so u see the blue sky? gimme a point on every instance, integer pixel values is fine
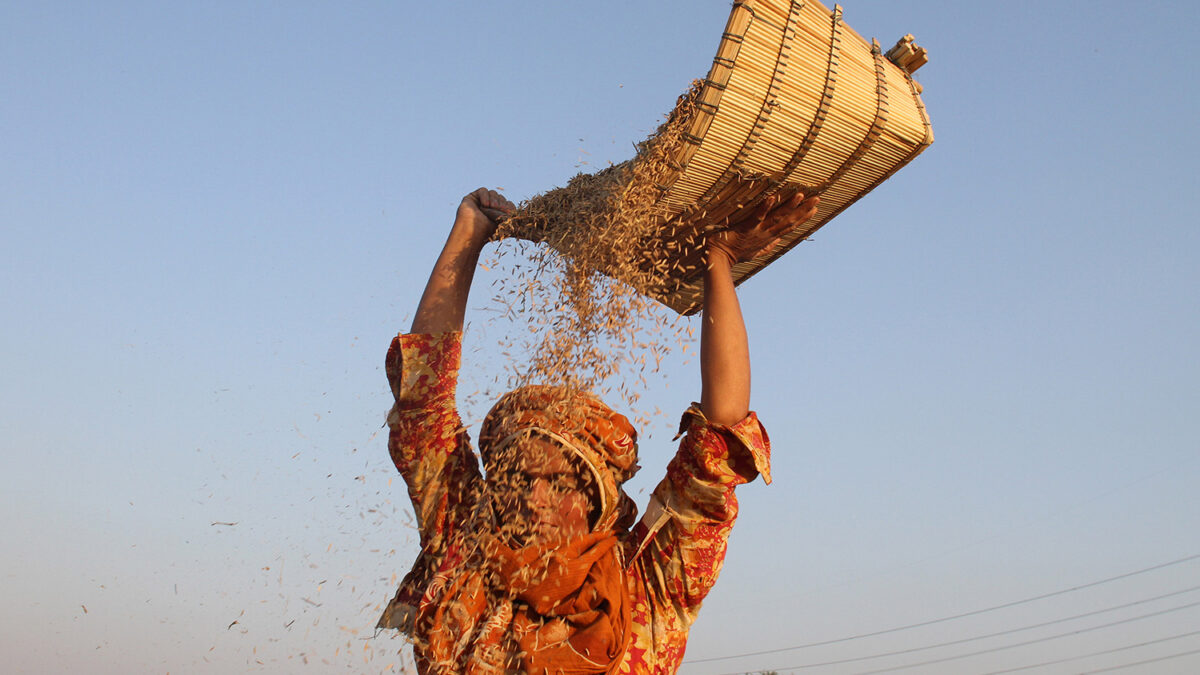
(980, 381)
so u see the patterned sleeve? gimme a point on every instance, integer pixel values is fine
(427, 441)
(679, 545)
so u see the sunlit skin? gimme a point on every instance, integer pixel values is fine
(541, 492)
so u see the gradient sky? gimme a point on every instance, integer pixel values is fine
(982, 381)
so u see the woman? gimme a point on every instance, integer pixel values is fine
(539, 567)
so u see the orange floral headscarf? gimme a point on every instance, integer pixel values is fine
(559, 608)
(603, 439)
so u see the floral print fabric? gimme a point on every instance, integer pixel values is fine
(672, 556)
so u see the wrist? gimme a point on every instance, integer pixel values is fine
(465, 235)
(718, 257)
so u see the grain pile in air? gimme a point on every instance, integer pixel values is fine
(588, 291)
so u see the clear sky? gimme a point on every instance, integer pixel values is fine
(982, 381)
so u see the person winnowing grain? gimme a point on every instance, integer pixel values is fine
(538, 566)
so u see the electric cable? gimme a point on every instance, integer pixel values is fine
(1142, 663)
(1088, 656)
(963, 615)
(1031, 642)
(1009, 631)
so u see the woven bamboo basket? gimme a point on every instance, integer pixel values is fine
(795, 100)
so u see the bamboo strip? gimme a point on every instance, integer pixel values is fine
(881, 142)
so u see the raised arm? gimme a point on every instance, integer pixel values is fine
(724, 348)
(444, 302)
(426, 439)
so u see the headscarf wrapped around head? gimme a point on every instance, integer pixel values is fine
(603, 439)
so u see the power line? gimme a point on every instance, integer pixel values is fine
(1010, 631)
(976, 612)
(1088, 656)
(1031, 642)
(1142, 663)
(995, 649)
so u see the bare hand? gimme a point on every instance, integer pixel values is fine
(479, 213)
(757, 233)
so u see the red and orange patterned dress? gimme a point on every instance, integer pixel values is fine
(672, 556)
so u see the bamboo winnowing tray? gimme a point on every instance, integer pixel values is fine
(795, 99)
(814, 105)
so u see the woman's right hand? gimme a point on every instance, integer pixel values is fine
(479, 213)
(444, 302)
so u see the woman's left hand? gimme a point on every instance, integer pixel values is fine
(757, 233)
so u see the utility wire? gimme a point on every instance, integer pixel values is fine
(976, 612)
(1010, 631)
(1142, 663)
(1088, 656)
(1031, 642)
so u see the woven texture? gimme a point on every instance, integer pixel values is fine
(795, 100)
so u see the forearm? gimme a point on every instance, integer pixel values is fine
(444, 302)
(724, 347)
(724, 351)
